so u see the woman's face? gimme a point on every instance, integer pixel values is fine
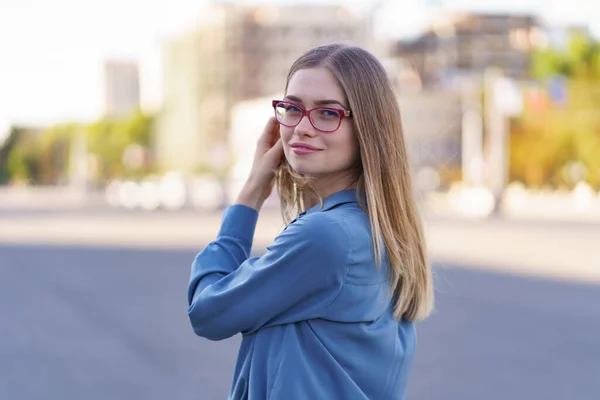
(329, 154)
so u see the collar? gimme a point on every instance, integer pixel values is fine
(334, 200)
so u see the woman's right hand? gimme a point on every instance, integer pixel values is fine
(267, 157)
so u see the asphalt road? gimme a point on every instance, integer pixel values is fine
(111, 324)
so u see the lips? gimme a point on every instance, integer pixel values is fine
(303, 146)
(303, 149)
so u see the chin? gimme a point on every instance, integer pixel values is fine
(299, 169)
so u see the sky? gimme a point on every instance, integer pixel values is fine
(51, 51)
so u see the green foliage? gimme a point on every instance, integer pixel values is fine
(45, 157)
(579, 60)
(53, 153)
(5, 151)
(19, 157)
(109, 139)
(21, 163)
(544, 143)
(550, 137)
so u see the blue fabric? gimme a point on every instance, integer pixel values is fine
(315, 312)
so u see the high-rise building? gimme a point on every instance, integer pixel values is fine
(240, 53)
(121, 87)
(458, 45)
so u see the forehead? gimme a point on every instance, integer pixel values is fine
(313, 84)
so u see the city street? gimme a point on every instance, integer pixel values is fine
(127, 127)
(99, 312)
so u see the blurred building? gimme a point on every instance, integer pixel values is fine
(432, 126)
(239, 53)
(462, 45)
(558, 36)
(247, 122)
(121, 88)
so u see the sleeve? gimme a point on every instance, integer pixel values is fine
(301, 273)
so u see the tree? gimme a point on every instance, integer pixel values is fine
(22, 164)
(546, 140)
(109, 139)
(5, 151)
(44, 157)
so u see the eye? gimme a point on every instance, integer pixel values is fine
(291, 108)
(327, 113)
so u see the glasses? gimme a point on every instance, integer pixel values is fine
(323, 119)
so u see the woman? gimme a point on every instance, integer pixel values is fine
(328, 311)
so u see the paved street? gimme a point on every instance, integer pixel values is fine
(82, 322)
(560, 250)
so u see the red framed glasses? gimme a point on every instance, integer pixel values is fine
(324, 119)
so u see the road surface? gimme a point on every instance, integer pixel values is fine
(110, 323)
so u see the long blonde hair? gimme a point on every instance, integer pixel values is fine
(383, 173)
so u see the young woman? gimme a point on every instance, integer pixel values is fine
(328, 311)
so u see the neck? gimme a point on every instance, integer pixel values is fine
(327, 186)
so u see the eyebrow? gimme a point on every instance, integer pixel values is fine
(317, 102)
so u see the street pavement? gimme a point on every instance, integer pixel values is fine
(539, 248)
(93, 306)
(110, 323)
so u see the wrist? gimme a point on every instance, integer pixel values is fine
(250, 197)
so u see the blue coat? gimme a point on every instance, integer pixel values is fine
(314, 311)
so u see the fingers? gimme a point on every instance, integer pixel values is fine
(270, 132)
(277, 147)
(276, 152)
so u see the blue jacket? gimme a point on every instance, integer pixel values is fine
(314, 311)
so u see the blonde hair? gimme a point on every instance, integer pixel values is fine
(383, 173)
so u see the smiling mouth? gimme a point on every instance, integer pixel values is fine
(299, 145)
(303, 150)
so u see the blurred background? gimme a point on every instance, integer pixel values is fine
(127, 126)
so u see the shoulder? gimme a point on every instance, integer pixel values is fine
(318, 227)
(323, 234)
(350, 218)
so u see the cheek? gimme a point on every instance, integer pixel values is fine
(353, 153)
(285, 134)
(348, 145)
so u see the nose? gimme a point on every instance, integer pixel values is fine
(304, 127)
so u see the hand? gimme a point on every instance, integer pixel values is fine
(268, 155)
